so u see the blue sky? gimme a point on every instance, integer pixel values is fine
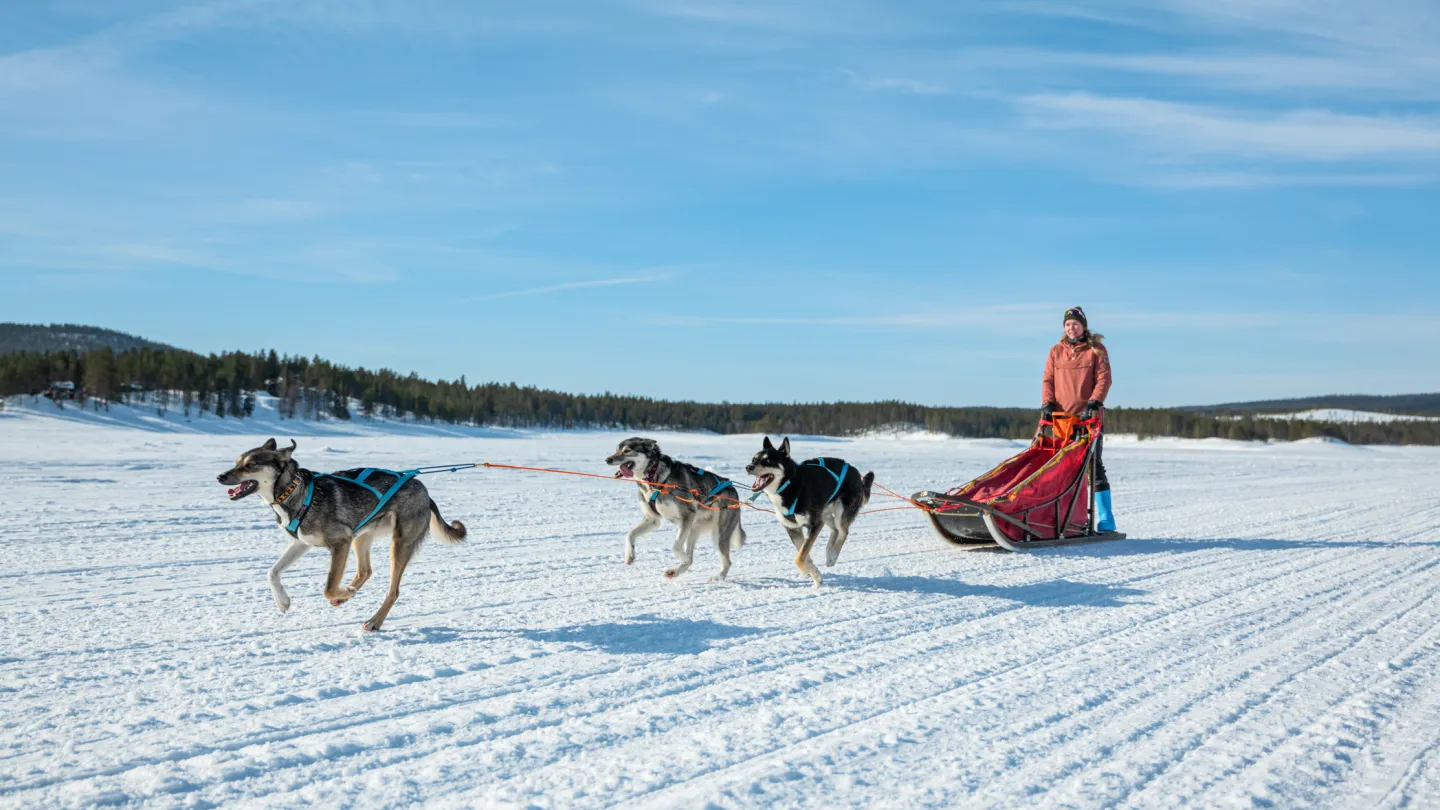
(789, 200)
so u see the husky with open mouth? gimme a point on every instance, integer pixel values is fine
(810, 496)
(337, 511)
(697, 501)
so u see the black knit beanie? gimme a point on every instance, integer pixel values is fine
(1076, 314)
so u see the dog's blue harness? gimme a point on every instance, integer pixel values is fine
(839, 482)
(719, 488)
(384, 497)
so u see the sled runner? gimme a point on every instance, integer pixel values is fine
(1036, 499)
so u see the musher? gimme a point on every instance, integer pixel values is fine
(1077, 379)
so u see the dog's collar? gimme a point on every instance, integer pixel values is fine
(651, 470)
(294, 484)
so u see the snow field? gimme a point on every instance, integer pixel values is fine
(1270, 639)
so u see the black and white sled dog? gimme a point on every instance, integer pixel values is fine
(697, 501)
(323, 510)
(810, 496)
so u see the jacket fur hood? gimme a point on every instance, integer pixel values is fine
(1095, 339)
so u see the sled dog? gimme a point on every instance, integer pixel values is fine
(323, 510)
(810, 496)
(668, 489)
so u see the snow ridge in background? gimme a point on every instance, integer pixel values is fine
(265, 419)
(1346, 416)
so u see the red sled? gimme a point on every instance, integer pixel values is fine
(1037, 499)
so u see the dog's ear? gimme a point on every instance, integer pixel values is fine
(785, 446)
(269, 445)
(768, 445)
(285, 452)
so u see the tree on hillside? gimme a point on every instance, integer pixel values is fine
(100, 379)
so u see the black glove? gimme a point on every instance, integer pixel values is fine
(1047, 411)
(1092, 408)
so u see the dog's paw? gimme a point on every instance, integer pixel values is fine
(282, 602)
(629, 556)
(671, 573)
(716, 578)
(371, 626)
(343, 597)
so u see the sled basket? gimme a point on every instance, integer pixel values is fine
(1040, 497)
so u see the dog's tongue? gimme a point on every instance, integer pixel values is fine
(231, 492)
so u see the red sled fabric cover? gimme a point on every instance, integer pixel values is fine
(1033, 485)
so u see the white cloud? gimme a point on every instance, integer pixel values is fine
(1032, 319)
(1258, 179)
(1409, 26)
(575, 285)
(163, 253)
(341, 261)
(1185, 130)
(1343, 75)
(1000, 316)
(102, 50)
(805, 19)
(896, 84)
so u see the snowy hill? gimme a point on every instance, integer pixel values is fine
(1346, 416)
(1420, 404)
(22, 337)
(1269, 637)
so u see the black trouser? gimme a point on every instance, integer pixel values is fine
(1102, 483)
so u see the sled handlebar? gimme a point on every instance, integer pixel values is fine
(1094, 425)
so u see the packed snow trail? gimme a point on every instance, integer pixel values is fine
(1270, 638)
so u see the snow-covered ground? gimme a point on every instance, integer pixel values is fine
(1270, 637)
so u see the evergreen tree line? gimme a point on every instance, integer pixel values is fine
(226, 385)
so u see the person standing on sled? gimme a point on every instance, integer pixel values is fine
(1077, 379)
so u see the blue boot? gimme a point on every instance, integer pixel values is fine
(1104, 513)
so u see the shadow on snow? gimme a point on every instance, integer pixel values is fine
(1051, 593)
(644, 634)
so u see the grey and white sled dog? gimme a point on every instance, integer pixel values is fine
(328, 518)
(809, 496)
(697, 501)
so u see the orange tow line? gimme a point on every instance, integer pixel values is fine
(699, 500)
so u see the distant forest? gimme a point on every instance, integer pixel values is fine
(313, 389)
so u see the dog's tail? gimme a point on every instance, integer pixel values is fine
(868, 481)
(737, 538)
(452, 532)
